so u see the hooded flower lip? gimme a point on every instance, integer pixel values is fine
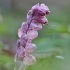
(41, 19)
(40, 9)
(44, 9)
(39, 12)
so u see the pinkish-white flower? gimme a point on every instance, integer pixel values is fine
(29, 60)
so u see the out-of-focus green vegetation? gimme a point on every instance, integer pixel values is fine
(53, 40)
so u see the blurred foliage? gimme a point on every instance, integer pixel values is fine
(6, 61)
(53, 40)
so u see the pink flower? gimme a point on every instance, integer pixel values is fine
(23, 29)
(32, 34)
(30, 47)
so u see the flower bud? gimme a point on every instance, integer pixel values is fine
(21, 52)
(29, 60)
(23, 40)
(30, 47)
(32, 34)
(23, 29)
(36, 26)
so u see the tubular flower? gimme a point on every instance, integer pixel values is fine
(28, 31)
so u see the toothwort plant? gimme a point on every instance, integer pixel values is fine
(27, 32)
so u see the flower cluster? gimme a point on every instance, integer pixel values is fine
(28, 31)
